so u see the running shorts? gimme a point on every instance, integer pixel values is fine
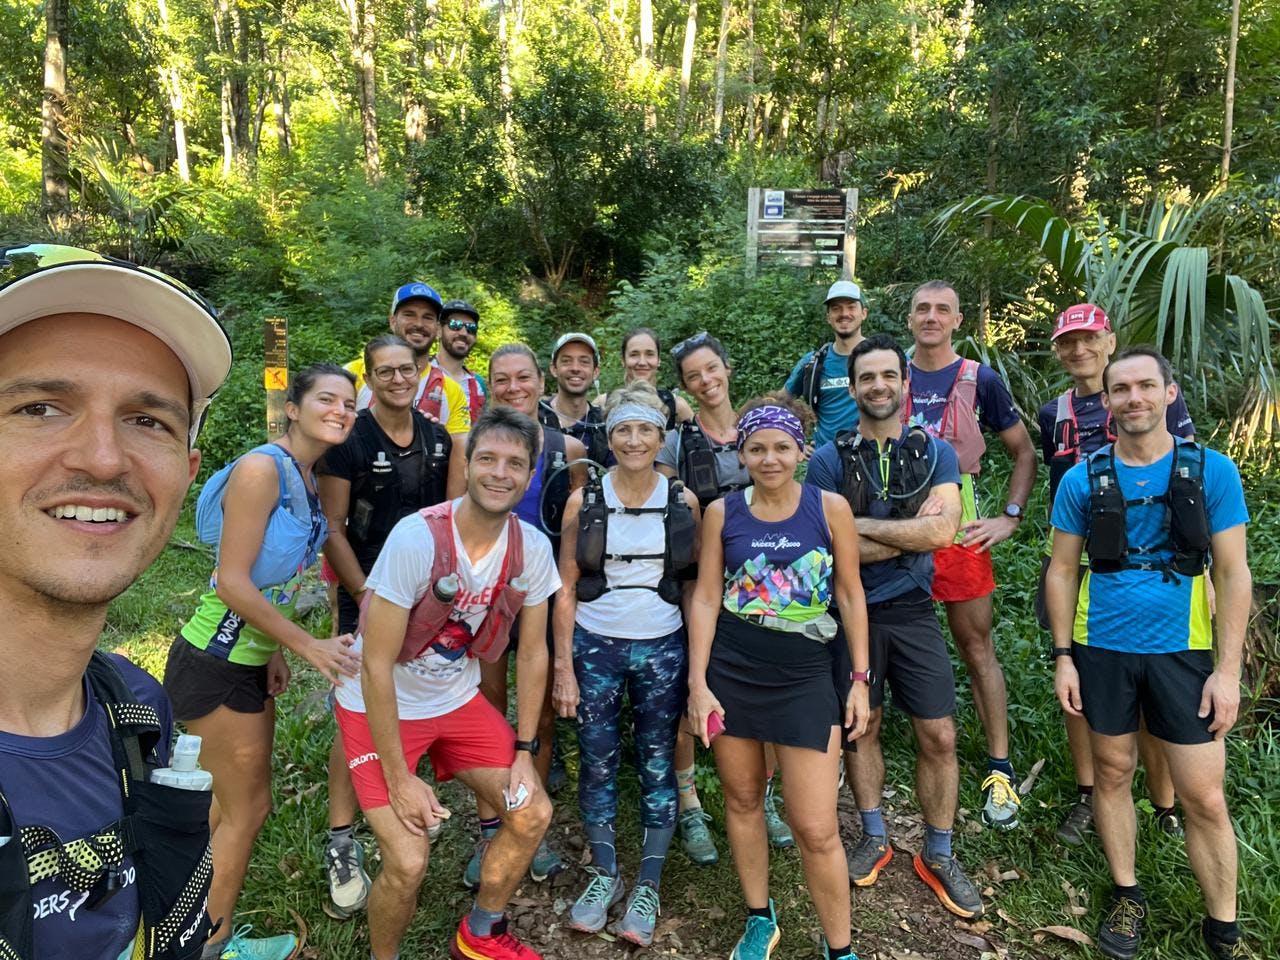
(1117, 689)
(962, 573)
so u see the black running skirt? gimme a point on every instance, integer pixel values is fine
(775, 687)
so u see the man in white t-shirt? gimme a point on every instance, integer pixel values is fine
(430, 704)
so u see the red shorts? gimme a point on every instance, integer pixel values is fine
(475, 735)
(327, 573)
(962, 573)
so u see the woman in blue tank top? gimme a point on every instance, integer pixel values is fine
(772, 560)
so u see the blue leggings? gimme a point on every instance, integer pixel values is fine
(653, 672)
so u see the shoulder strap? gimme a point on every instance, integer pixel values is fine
(439, 520)
(128, 722)
(811, 379)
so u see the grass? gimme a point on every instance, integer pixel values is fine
(285, 886)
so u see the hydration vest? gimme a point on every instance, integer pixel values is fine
(590, 430)
(431, 400)
(1066, 429)
(811, 376)
(288, 542)
(959, 424)
(377, 500)
(696, 464)
(912, 465)
(555, 483)
(164, 829)
(678, 564)
(668, 399)
(429, 621)
(1186, 519)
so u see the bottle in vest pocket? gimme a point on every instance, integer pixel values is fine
(446, 588)
(184, 773)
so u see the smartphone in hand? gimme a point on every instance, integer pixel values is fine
(715, 727)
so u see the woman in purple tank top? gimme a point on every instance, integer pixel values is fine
(772, 560)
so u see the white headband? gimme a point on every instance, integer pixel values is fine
(634, 411)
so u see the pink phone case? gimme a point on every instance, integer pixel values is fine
(715, 726)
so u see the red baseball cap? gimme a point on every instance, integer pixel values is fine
(1083, 316)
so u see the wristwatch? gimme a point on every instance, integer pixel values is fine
(863, 675)
(530, 746)
(1060, 652)
(1013, 512)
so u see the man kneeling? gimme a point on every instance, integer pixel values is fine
(444, 591)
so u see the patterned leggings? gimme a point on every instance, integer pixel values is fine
(653, 672)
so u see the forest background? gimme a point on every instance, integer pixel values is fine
(585, 165)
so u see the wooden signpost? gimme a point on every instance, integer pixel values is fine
(804, 228)
(275, 372)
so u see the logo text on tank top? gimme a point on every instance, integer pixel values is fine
(779, 542)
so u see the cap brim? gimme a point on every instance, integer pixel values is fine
(131, 295)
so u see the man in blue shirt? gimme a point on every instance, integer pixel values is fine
(904, 488)
(1073, 425)
(1138, 644)
(105, 370)
(821, 378)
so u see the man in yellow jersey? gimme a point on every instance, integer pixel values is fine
(415, 317)
(1154, 511)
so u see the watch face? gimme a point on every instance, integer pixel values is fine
(1013, 510)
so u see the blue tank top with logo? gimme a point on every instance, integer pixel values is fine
(777, 568)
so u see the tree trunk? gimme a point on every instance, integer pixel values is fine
(55, 191)
(686, 63)
(988, 224)
(284, 135)
(1230, 105)
(171, 82)
(646, 62)
(240, 105)
(360, 28)
(415, 109)
(504, 75)
(722, 57)
(751, 73)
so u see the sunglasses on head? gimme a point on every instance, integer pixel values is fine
(468, 325)
(690, 343)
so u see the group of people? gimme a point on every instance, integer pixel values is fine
(621, 546)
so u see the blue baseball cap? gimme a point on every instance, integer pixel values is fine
(415, 291)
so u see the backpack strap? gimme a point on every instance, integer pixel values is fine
(811, 376)
(431, 402)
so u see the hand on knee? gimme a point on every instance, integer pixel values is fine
(530, 822)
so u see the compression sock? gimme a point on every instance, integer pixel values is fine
(1225, 931)
(687, 791)
(839, 953)
(1133, 893)
(340, 834)
(1000, 765)
(937, 843)
(490, 827)
(481, 921)
(872, 822)
(601, 837)
(653, 853)
(213, 949)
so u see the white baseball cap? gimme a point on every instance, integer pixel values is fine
(844, 290)
(43, 280)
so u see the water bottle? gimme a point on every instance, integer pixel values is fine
(185, 772)
(446, 588)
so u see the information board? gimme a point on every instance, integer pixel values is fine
(275, 372)
(804, 228)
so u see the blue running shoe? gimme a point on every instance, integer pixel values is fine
(641, 918)
(590, 912)
(759, 939)
(242, 947)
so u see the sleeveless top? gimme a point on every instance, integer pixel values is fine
(632, 614)
(777, 570)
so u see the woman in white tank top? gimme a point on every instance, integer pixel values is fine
(618, 628)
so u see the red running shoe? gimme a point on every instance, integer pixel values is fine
(499, 945)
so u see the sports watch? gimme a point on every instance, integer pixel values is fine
(863, 675)
(530, 746)
(1013, 512)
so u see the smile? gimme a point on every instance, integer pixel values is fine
(71, 511)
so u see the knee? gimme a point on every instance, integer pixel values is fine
(531, 821)
(405, 868)
(743, 802)
(1112, 772)
(938, 742)
(816, 836)
(1207, 805)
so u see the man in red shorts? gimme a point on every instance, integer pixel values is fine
(398, 711)
(956, 399)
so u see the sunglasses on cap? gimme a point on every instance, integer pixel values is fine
(468, 325)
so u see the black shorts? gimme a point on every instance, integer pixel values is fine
(1163, 688)
(348, 612)
(198, 683)
(908, 649)
(1042, 605)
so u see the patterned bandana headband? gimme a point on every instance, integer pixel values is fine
(634, 411)
(770, 417)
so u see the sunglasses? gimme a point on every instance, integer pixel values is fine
(468, 325)
(19, 262)
(690, 343)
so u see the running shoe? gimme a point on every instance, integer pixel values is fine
(471, 873)
(759, 939)
(243, 947)
(1170, 824)
(1121, 929)
(348, 882)
(546, 863)
(1077, 823)
(1223, 949)
(641, 917)
(499, 945)
(952, 886)
(695, 837)
(590, 912)
(847, 955)
(779, 832)
(867, 859)
(1000, 801)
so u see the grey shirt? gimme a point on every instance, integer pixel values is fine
(729, 469)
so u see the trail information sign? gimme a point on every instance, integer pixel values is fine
(275, 372)
(805, 228)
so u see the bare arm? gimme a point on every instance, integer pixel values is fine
(852, 603)
(564, 691)
(1233, 583)
(923, 533)
(1062, 594)
(335, 498)
(873, 551)
(703, 609)
(985, 532)
(455, 484)
(684, 412)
